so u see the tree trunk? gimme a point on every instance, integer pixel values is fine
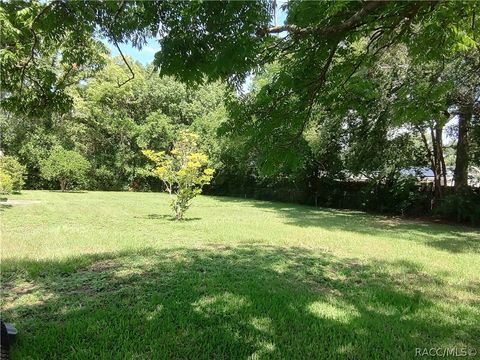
(461, 163)
(438, 160)
(430, 158)
(441, 158)
(63, 185)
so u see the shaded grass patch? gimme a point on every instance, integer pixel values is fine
(235, 302)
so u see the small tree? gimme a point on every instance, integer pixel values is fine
(12, 169)
(66, 166)
(183, 171)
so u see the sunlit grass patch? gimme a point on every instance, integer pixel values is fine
(333, 310)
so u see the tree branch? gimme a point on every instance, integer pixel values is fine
(313, 93)
(354, 21)
(119, 10)
(34, 45)
(126, 63)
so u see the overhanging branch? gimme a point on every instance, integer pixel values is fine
(354, 21)
(34, 45)
(120, 8)
(126, 63)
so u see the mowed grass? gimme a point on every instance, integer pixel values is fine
(108, 275)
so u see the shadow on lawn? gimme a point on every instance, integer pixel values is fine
(69, 191)
(223, 302)
(4, 207)
(456, 239)
(166, 217)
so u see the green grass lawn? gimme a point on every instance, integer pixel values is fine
(108, 275)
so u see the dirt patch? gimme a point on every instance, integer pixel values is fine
(103, 265)
(20, 202)
(25, 288)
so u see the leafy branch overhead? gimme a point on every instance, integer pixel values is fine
(201, 40)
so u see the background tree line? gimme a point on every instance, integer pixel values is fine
(110, 125)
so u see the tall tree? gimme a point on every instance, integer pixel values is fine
(464, 98)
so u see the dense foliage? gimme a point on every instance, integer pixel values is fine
(12, 173)
(6, 184)
(65, 166)
(110, 125)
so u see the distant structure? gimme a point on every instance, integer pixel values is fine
(425, 175)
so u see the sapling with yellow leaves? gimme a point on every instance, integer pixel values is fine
(183, 171)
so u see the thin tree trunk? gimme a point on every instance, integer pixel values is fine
(441, 158)
(461, 163)
(437, 169)
(63, 185)
(431, 159)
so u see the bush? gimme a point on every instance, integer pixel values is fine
(66, 166)
(462, 207)
(14, 170)
(6, 183)
(402, 196)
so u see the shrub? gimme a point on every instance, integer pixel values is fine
(462, 207)
(15, 171)
(182, 171)
(65, 166)
(6, 183)
(405, 197)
